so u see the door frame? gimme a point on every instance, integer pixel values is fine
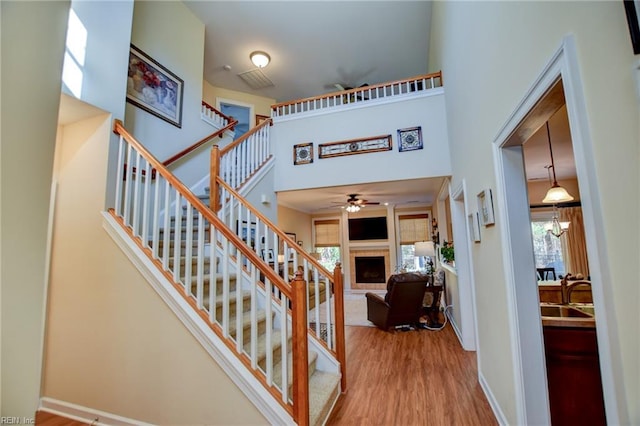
(526, 335)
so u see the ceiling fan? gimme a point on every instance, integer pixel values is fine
(346, 87)
(354, 203)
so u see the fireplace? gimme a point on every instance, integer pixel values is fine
(370, 269)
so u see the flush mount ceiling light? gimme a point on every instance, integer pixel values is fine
(260, 59)
(555, 194)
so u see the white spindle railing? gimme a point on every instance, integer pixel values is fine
(244, 156)
(285, 257)
(360, 95)
(196, 250)
(213, 116)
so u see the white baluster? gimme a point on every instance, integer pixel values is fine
(177, 237)
(188, 248)
(200, 263)
(145, 206)
(119, 176)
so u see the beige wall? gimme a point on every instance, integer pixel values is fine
(298, 222)
(486, 75)
(32, 41)
(262, 105)
(112, 343)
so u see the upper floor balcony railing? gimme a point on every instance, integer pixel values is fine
(358, 96)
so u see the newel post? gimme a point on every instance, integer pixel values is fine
(214, 193)
(300, 350)
(341, 354)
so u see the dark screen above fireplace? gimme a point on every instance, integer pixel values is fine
(368, 228)
(370, 269)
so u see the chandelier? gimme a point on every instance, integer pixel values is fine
(555, 227)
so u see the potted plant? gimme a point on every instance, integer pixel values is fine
(447, 252)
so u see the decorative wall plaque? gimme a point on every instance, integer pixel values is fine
(410, 139)
(355, 146)
(303, 153)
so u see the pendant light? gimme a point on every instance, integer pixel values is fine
(555, 194)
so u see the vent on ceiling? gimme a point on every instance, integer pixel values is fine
(256, 79)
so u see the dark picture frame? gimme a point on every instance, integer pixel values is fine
(632, 7)
(355, 146)
(154, 88)
(410, 139)
(303, 153)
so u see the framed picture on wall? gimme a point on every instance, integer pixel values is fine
(485, 207)
(153, 88)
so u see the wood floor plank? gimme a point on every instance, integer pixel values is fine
(417, 377)
(44, 418)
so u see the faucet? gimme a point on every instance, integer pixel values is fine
(572, 287)
(564, 293)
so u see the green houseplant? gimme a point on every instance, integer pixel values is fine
(447, 252)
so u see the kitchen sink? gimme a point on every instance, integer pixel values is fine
(562, 311)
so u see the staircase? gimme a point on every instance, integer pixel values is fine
(259, 316)
(324, 387)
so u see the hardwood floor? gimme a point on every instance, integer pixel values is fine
(410, 378)
(398, 378)
(44, 418)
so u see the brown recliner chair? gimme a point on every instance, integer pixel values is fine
(402, 305)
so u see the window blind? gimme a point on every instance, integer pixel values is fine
(327, 233)
(413, 228)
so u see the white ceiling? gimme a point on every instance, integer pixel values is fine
(316, 44)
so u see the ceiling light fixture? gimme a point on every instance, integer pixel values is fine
(352, 208)
(260, 59)
(555, 194)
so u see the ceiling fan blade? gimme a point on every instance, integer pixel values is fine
(339, 86)
(371, 203)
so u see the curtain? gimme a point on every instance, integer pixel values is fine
(574, 247)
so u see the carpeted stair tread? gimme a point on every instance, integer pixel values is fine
(276, 346)
(246, 301)
(246, 321)
(324, 388)
(277, 369)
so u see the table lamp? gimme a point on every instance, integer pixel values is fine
(427, 249)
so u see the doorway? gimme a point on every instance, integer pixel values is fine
(532, 112)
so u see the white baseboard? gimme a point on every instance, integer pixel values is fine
(85, 414)
(493, 403)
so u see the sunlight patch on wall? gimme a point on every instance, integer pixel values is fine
(74, 56)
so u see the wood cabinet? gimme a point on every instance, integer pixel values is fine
(573, 375)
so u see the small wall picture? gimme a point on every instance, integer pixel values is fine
(485, 207)
(268, 256)
(474, 226)
(410, 139)
(303, 153)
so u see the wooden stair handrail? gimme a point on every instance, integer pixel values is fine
(359, 89)
(198, 144)
(207, 213)
(244, 137)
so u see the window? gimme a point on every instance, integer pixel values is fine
(547, 248)
(327, 242)
(411, 229)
